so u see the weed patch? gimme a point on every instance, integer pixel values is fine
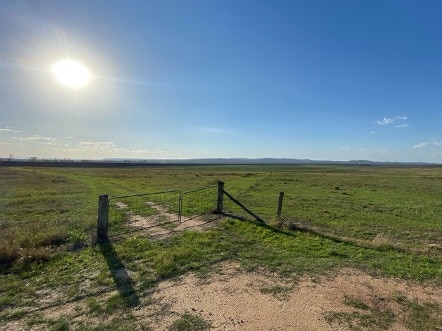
(423, 316)
(371, 320)
(188, 322)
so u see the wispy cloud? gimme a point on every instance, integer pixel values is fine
(351, 149)
(403, 126)
(45, 146)
(211, 130)
(364, 153)
(8, 129)
(101, 149)
(385, 121)
(388, 120)
(433, 142)
(421, 145)
(96, 144)
(37, 139)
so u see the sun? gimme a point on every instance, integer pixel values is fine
(71, 73)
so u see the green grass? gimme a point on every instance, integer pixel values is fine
(391, 208)
(40, 206)
(251, 245)
(376, 320)
(49, 215)
(423, 316)
(413, 315)
(188, 322)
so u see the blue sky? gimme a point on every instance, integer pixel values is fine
(323, 80)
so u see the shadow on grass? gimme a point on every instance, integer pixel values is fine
(119, 274)
(291, 228)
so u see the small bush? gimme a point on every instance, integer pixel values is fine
(60, 325)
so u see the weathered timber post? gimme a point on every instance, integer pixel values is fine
(180, 207)
(278, 214)
(103, 218)
(219, 202)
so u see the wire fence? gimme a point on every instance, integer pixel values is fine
(143, 210)
(199, 201)
(165, 209)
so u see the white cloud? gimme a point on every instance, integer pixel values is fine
(351, 149)
(433, 142)
(359, 153)
(421, 145)
(403, 126)
(385, 121)
(8, 129)
(108, 149)
(96, 144)
(212, 130)
(39, 140)
(98, 147)
(391, 120)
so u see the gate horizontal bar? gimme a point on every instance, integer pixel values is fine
(143, 194)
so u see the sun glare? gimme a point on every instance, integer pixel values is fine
(71, 73)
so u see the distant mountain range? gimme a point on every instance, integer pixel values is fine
(115, 162)
(268, 161)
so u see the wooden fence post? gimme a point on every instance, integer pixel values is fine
(103, 218)
(219, 202)
(281, 197)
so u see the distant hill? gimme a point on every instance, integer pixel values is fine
(118, 162)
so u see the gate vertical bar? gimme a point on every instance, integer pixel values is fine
(180, 207)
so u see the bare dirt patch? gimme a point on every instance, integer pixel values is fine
(234, 300)
(231, 299)
(165, 223)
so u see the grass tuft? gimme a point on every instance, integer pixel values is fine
(425, 316)
(61, 324)
(188, 322)
(278, 291)
(8, 255)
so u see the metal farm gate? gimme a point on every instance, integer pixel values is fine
(162, 210)
(160, 213)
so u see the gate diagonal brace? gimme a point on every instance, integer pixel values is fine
(259, 219)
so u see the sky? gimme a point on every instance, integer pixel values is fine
(177, 79)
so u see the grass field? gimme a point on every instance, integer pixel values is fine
(385, 220)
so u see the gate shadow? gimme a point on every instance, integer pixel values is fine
(119, 274)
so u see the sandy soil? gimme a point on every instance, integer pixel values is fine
(231, 299)
(234, 300)
(150, 224)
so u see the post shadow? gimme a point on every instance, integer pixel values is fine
(119, 274)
